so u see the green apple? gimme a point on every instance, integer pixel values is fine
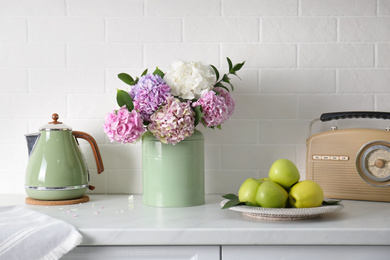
(248, 189)
(306, 194)
(284, 172)
(271, 195)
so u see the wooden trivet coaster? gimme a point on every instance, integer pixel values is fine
(32, 201)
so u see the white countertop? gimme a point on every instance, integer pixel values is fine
(114, 220)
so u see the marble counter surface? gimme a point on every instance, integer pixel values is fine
(124, 220)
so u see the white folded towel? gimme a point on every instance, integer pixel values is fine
(27, 234)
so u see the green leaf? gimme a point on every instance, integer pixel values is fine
(230, 63)
(215, 71)
(234, 73)
(198, 114)
(237, 67)
(328, 202)
(227, 80)
(230, 196)
(232, 203)
(219, 127)
(219, 84)
(126, 78)
(124, 99)
(203, 122)
(159, 72)
(231, 85)
(144, 73)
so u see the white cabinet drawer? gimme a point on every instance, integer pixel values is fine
(144, 253)
(305, 252)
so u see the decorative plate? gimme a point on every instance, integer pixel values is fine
(283, 213)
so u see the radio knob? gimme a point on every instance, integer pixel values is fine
(373, 163)
(380, 163)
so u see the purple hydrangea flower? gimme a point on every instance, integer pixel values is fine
(149, 94)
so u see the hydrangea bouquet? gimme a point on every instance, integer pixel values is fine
(170, 105)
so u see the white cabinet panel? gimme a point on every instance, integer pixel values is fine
(144, 253)
(305, 252)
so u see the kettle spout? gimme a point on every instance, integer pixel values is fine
(31, 141)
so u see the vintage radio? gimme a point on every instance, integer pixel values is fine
(350, 163)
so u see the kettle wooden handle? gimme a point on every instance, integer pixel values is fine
(95, 149)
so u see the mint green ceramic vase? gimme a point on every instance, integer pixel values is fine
(173, 175)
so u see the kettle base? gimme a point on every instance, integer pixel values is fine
(56, 194)
(83, 199)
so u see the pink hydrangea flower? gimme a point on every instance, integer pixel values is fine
(229, 100)
(124, 126)
(216, 108)
(172, 122)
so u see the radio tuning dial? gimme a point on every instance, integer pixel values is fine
(372, 163)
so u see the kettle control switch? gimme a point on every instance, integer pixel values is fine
(344, 158)
(334, 158)
(316, 157)
(325, 157)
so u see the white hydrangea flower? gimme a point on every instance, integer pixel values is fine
(189, 80)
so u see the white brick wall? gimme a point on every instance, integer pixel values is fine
(303, 58)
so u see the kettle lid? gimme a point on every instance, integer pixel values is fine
(55, 125)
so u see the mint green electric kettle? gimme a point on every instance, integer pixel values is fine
(56, 169)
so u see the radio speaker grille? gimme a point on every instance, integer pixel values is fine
(345, 183)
